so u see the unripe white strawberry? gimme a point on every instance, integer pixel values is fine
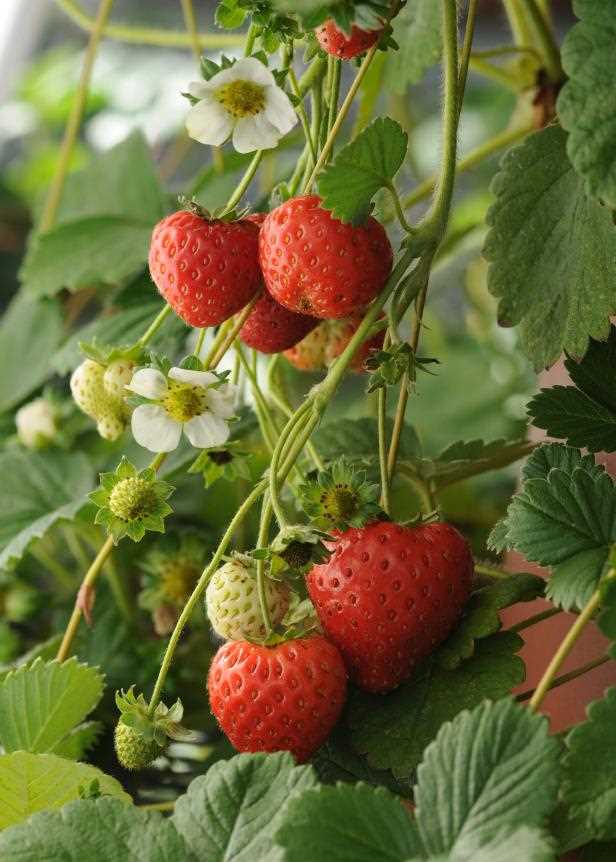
(36, 423)
(118, 374)
(110, 412)
(233, 603)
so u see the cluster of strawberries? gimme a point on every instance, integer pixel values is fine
(318, 275)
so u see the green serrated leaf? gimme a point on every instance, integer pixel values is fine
(338, 761)
(53, 696)
(587, 102)
(358, 439)
(103, 830)
(79, 740)
(565, 519)
(232, 812)
(551, 249)
(394, 729)
(589, 786)
(467, 458)
(361, 168)
(34, 782)
(38, 490)
(506, 775)
(229, 14)
(482, 615)
(417, 30)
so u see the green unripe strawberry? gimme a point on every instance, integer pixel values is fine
(233, 603)
(134, 751)
(117, 376)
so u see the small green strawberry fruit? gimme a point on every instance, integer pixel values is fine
(133, 750)
(109, 411)
(233, 603)
(117, 376)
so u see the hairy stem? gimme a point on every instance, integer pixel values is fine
(153, 328)
(544, 39)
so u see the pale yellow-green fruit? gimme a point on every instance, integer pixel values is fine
(110, 412)
(117, 376)
(233, 603)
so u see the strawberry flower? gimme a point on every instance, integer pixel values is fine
(243, 101)
(196, 402)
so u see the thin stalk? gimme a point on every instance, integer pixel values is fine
(398, 208)
(191, 28)
(199, 341)
(564, 649)
(344, 110)
(536, 618)
(230, 334)
(544, 39)
(147, 35)
(153, 328)
(567, 677)
(303, 116)
(465, 54)
(518, 22)
(381, 416)
(334, 92)
(250, 40)
(426, 498)
(491, 571)
(75, 117)
(269, 431)
(262, 540)
(244, 182)
(495, 73)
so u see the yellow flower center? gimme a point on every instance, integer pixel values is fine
(184, 401)
(241, 98)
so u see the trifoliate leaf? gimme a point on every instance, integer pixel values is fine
(103, 830)
(53, 696)
(587, 102)
(394, 729)
(343, 823)
(506, 775)
(361, 168)
(565, 520)
(589, 786)
(232, 812)
(482, 615)
(417, 30)
(468, 458)
(585, 414)
(33, 782)
(551, 249)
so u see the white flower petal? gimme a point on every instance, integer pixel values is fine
(279, 110)
(221, 401)
(149, 383)
(206, 430)
(197, 378)
(254, 133)
(209, 123)
(199, 89)
(249, 69)
(154, 429)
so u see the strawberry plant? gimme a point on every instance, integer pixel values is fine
(277, 625)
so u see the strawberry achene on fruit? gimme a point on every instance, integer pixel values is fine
(337, 43)
(207, 270)
(286, 697)
(389, 595)
(314, 264)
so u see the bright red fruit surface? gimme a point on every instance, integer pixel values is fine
(389, 595)
(282, 698)
(338, 44)
(271, 328)
(206, 270)
(314, 264)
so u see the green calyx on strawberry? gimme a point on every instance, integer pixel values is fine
(389, 595)
(140, 738)
(171, 568)
(286, 697)
(230, 462)
(232, 602)
(340, 498)
(131, 501)
(299, 545)
(100, 401)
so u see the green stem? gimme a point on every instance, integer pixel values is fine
(228, 336)
(250, 39)
(269, 431)
(344, 110)
(244, 182)
(567, 677)
(467, 46)
(506, 50)
(262, 541)
(334, 92)
(398, 208)
(518, 22)
(191, 28)
(303, 117)
(75, 117)
(147, 35)
(491, 571)
(495, 73)
(565, 648)
(381, 416)
(426, 499)
(153, 328)
(199, 342)
(536, 618)
(544, 39)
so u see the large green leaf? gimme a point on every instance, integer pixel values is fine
(552, 251)
(367, 164)
(417, 30)
(100, 830)
(394, 729)
(468, 458)
(589, 787)
(42, 702)
(232, 812)
(38, 490)
(34, 782)
(489, 770)
(30, 328)
(93, 250)
(587, 102)
(564, 519)
(584, 415)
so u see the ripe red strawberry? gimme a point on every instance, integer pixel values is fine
(207, 270)
(282, 698)
(271, 328)
(338, 44)
(389, 595)
(314, 264)
(324, 344)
